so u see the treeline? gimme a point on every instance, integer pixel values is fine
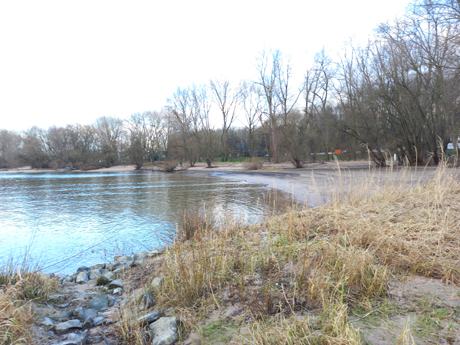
(398, 94)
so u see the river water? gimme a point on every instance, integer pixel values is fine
(66, 220)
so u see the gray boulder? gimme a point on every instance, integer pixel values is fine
(68, 280)
(84, 314)
(146, 301)
(75, 339)
(164, 331)
(155, 252)
(94, 274)
(118, 283)
(149, 318)
(156, 283)
(60, 315)
(47, 322)
(98, 266)
(98, 320)
(82, 269)
(122, 258)
(65, 326)
(98, 301)
(118, 291)
(82, 277)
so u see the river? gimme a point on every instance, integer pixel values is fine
(66, 220)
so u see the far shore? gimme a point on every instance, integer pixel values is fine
(312, 184)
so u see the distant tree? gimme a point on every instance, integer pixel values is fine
(227, 98)
(10, 149)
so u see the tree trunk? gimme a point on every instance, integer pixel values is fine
(208, 162)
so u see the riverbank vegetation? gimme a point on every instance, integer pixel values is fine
(336, 274)
(396, 94)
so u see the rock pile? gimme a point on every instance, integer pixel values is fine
(72, 315)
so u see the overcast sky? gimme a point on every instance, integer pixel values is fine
(67, 62)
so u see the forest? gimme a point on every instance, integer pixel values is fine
(398, 94)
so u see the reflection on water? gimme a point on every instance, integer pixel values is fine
(58, 216)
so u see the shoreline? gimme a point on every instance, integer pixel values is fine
(312, 185)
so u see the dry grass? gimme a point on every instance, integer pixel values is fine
(19, 287)
(254, 163)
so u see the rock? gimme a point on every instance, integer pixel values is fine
(155, 252)
(118, 283)
(98, 301)
(140, 255)
(64, 305)
(123, 266)
(122, 258)
(82, 269)
(112, 301)
(61, 315)
(65, 326)
(109, 275)
(94, 274)
(57, 298)
(46, 321)
(146, 301)
(98, 320)
(98, 267)
(82, 277)
(156, 283)
(138, 262)
(75, 339)
(139, 258)
(164, 331)
(83, 314)
(169, 312)
(118, 291)
(68, 280)
(149, 318)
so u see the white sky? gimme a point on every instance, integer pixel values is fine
(67, 62)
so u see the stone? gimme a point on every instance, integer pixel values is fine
(83, 314)
(118, 283)
(122, 258)
(123, 266)
(109, 275)
(98, 266)
(149, 317)
(60, 315)
(156, 283)
(98, 301)
(64, 305)
(68, 280)
(65, 326)
(82, 277)
(75, 339)
(82, 269)
(112, 301)
(138, 262)
(47, 322)
(57, 298)
(146, 301)
(98, 320)
(118, 291)
(155, 252)
(94, 274)
(164, 331)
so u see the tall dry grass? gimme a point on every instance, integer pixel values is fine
(19, 287)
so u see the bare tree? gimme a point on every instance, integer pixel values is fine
(227, 98)
(251, 95)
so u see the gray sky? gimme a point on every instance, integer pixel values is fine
(67, 62)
